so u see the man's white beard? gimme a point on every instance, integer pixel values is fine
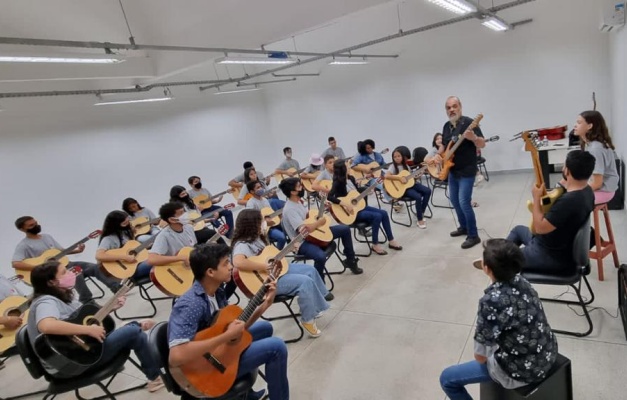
(453, 119)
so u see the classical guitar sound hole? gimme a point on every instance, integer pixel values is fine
(14, 312)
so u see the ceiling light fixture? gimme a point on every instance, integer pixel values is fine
(496, 24)
(349, 61)
(273, 58)
(460, 7)
(238, 90)
(107, 103)
(60, 60)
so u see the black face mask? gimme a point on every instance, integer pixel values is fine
(35, 230)
(301, 193)
(198, 185)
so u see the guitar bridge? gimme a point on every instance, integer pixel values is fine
(121, 265)
(175, 276)
(214, 361)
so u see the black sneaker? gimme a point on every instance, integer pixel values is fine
(459, 232)
(470, 242)
(352, 265)
(329, 296)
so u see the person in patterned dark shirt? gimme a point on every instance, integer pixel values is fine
(514, 344)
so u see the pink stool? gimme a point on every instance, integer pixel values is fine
(601, 247)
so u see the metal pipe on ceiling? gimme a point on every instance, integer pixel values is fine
(217, 83)
(134, 47)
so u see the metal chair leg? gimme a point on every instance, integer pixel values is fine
(583, 304)
(294, 316)
(93, 282)
(143, 292)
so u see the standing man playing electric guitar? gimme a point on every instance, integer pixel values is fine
(462, 175)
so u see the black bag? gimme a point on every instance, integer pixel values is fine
(618, 201)
(622, 295)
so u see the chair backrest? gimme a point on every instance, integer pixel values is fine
(581, 245)
(419, 155)
(158, 345)
(27, 354)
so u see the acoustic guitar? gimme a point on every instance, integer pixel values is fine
(199, 222)
(71, 355)
(53, 255)
(269, 193)
(12, 306)
(308, 182)
(441, 170)
(143, 225)
(176, 278)
(293, 171)
(396, 188)
(322, 236)
(355, 199)
(274, 216)
(125, 269)
(375, 168)
(251, 281)
(532, 142)
(213, 374)
(326, 183)
(203, 201)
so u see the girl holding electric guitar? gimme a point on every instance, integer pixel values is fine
(300, 280)
(53, 302)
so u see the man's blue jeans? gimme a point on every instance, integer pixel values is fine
(460, 190)
(454, 378)
(537, 259)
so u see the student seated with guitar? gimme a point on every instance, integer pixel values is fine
(550, 247)
(178, 234)
(436, 148)
(419, 192)
(366, 156)
(258, 202)
(36, 243)
(333, 149)
(53, 302)
(7, 289)
(239, 182)
(197, 190)
(344, 183)
(135, 211)
(180, 195)
(251, 175)
(287, 164)
(200, 306)
(325, 175)
(301, 280)
(294, 215)
(116, 232)
(314, 167)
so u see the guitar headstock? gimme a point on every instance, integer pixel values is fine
(532, 141)
(223, 229)
(229, 206)
(384, 151)
(475, 122)
(95, 234)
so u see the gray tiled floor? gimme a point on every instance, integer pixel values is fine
(392, 330)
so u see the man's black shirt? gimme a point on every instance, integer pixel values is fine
(466, 155)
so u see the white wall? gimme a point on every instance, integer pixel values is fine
(618, 58)
(69, 165)
(539, 75)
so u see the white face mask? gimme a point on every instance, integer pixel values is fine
(264, 226)
(184, 218)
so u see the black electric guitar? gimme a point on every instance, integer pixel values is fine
(71, 355)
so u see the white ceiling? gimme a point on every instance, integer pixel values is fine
(315, 25)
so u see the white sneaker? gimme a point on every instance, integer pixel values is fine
(421, 225)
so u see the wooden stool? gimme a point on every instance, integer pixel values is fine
(601, 247)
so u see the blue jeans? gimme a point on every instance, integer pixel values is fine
(129, 337)
(91, 270)
(227, 214)
(303, 280)
(271, 352)
(421, 195)
(276, 235)
(376, 217)
(536, 259)
(460, 189)
(317, 254)
(454, 378)
(276, 204)
(143, 270)
(142, 238)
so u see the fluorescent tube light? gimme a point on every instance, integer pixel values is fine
(237, 90)
(495, 24)
(107, 103)
(349, 62)
(460, 7)
(64, 60)
(254, 60)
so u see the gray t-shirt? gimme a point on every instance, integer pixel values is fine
(325, 176)
(169, 242)
(240, 178)
(244, 190)
(112, 242)
(29, 248)
(257, 204)
(7, 288)
(195, 193)
(337, 153)
(48, 306)
(144, 212)
(605, 165)
(249, 249)
(392, 170)
(287, 164)
(293, 216)
(313, 168)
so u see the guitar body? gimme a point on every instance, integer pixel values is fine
(200, 224)
(141, 226)
(547, 202)
(322, 236)
(395, 188)
(35, 261)
(326, 183)
(361, 175)
(173, 279)
(203, 201)
(308, 182)
(249, 282)
(447, 164)
(235, 191)
(124, 269)
(340, 215)
(10, 307)
(266, 211)
(212, 375)
(63, 354)
(280, 177)
(434, 170)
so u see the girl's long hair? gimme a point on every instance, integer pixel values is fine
(248, 226)
(42, 279)
(599, 131)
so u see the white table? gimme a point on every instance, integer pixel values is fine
(554, 153)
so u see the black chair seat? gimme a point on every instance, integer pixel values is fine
(480, 160)
(542, 279)
(145, 280)
(91, 376)
(360, 225)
